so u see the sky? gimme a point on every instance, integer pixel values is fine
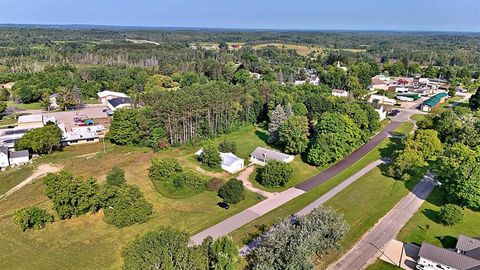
(409, 15)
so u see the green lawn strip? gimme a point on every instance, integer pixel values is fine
(381, 265)
(450, 101)
(363, 203)
(418, 117)
(404, 128)
(424, 226)
(26, 106)
(13, 177)
(6, 121)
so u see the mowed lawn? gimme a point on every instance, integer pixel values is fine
(424, 225)
(253, 229)
(87, 242)
(381, 265)
(363, 203)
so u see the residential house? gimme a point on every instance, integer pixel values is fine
(382, 113)
(261, 156)
(465, 256)
(4, 157)
(53, 102)
(104, 96)
(339, 93)
(81, 135)
(18, 157)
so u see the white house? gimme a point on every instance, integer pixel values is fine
(382, 113)
(80, 135)
(261, 156)
(231, 163)
(4, 157)
(18, 157)
(104, 96)
(466, 255)
(53, 101)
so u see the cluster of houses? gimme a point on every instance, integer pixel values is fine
(260, 156)
(312, 77)
(465, 256)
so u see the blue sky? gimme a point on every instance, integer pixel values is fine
(437, 15)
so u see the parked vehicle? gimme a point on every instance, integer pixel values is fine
(223, 205)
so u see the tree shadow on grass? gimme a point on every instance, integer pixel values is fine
(431, 214)
(262, 135)
(260, 229)
(447, 241)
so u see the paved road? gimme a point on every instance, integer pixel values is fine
(325, 197)
(369, 246)
(278, 199)
(353, 157)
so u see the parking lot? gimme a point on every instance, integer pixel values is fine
(91, 111)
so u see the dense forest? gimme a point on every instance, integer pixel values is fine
(193, 84)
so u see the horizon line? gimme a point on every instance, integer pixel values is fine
(196, 28)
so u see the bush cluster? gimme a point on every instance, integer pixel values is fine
(274, 174)
(450, 214)
(171, 180)
(227, 147)
(232, 192)
(31, 217)
(210, 157)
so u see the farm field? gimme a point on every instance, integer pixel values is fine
(87, 240)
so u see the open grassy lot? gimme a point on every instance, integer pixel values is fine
(404, 128)
(6, 121)
(87, 241)
(13, 177)
(417, 117)
(381, 265)
(29, 106)
(301, 49)
(424, 225)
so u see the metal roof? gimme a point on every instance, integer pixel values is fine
(19, 154)
(267, 154)
(4, 150)
(115, 102)
(447, 257)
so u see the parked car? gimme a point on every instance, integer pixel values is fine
(109, 112)
(223, 205)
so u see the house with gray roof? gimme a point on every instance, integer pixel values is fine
(465, 256)
(18, 157)
(262, 156)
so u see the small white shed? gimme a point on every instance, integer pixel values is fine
(19, 157)
(232, 163)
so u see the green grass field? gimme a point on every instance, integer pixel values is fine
(417, 117)
(29, 106)
(381, 265)
(254, 228)
(424, 225)
(87, 241)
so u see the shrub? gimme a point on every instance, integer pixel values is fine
(166, 248)
(31, 217)
(72, 196)
(41, 140)
(223, 254)
(210, 157)
(162, 168)
(116, 177)
(125, 205)
(181, 185)
(227, 147)
(214, 184)
(450, 214)
(274, 174)
(232, 192)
